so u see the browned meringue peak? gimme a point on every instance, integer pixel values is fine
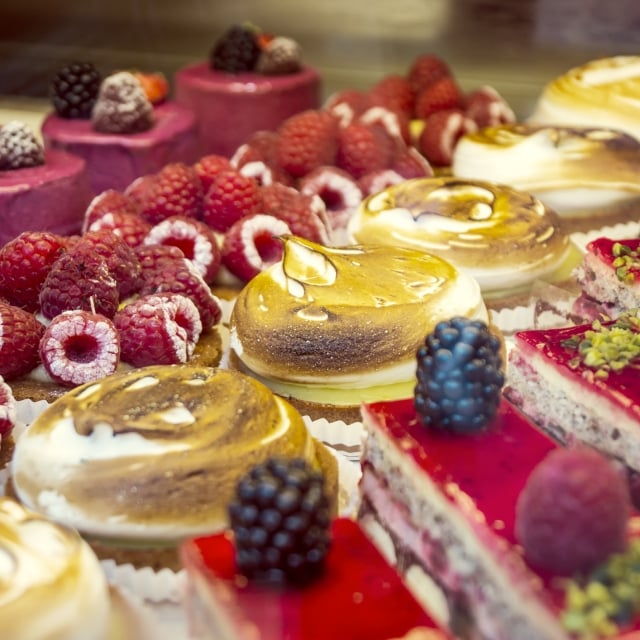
(600, 93)
(153, 453)
(572, 169)
(503, 237)
(347, 315)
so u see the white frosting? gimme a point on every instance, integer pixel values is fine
(51, 583)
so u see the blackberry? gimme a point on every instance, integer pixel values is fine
(237, 50)
(19, 147)
(74, 90)
(460, 376)
(280, 518)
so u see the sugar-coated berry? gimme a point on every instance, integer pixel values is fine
(459, 376)
(280, 517)
(572, 513)
(19, 147)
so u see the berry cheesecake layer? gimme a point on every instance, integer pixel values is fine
(581, 383)
(331, 327)
(579, 172)
(600, 93)
(144, 448)
(459, 220)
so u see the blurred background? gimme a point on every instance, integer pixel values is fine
(514, 45)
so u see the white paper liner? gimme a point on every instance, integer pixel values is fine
(622, 231)
(141, 621)
(164, 585)
(344, 438)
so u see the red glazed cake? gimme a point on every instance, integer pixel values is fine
(234, 98)
(581, 383)
(359, 596)
(444, 506)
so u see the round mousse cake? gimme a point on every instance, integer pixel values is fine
(504, 238)
(115, 160)
(584, 173)
(329, 328)
(138, 461)
(601, 93)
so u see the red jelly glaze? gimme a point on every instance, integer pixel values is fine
(359, 596)
(602, 248)
(620, 388)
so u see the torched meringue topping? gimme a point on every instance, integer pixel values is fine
(51, 583)
(503, 237)
(346, 317)
(153, 453)
(573, 169)
(600, 93)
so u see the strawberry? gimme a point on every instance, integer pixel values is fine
(305, 214)
(174, 191)
(8, 409)
(425, 71)
(79, 279)
(441, 133)
(208, 167)
(155, 85)
(79, 347)
(109, 201)
(395, 93)
(194, 238)
(307, 140)
(230, 197)
(25, 262)
(251, 245)
(158, 329)
(442, 94)
(487, 108)
(130, 227)
(573, 511)
(362, 149)
(20, 334)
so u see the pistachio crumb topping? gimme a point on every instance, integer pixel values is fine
(607, 348)
(626, 261)
(609, 598)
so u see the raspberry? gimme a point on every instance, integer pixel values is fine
(158, 329)
(347, 105)
(337, 189)
(19, 148)
(208, 167)
(459, 376)
(79, 347)
(573, 511)
(410, 163)
(74, 90)
(121, 260)
(153, 256)
(376, 181)
(122, 106)
(442, 94)
(237, 50)
(280, 56)
(195, 239)
(109, 201)
(394, 124)
(174, 191)
(261, 145)
(362, 149)
(441, 133)
(20, 334)
(426, 70)
(395, 93)
(130, 227)
(305, 214)
(251, 245)
(280, 518)
(79, 279)
(25, 262)
(171, 275)
(230, 197)
(8, 409)
(487, 108)
(138, 190)
(307, 140)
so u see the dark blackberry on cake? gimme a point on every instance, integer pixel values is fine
(460, 376)
(74, 90)
(236, 51)
(280, 518)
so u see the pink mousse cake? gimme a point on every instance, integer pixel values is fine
(115, 160)
(49, 197)
(358, 596)
(443, 504)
